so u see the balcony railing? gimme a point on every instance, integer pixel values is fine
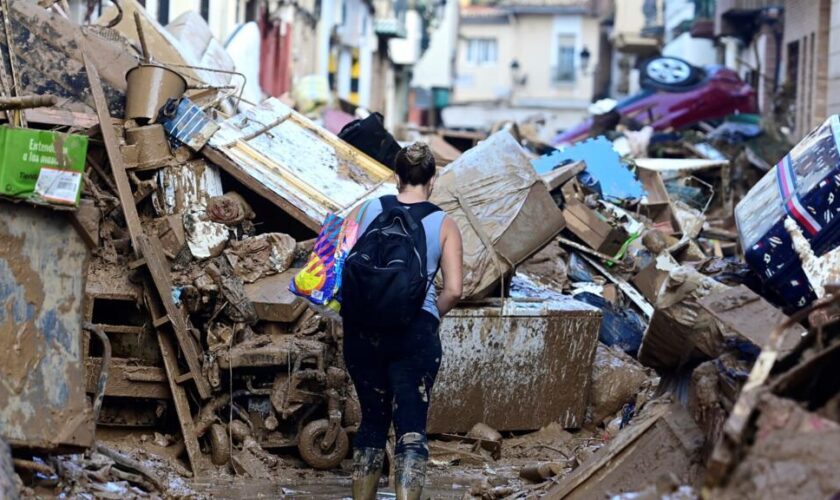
(725, 7)
(734, 17)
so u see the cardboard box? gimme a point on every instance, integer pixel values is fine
(498, 201)
(657, 206)
(589, 225)
(42, 166)
(650, 278)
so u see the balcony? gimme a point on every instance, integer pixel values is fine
(733, 16)
(735, 7)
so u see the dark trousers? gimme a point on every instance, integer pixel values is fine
(393, 373)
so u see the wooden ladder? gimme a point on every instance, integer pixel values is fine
(167, 317)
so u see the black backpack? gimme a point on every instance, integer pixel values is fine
(370, 137)
(385, 279)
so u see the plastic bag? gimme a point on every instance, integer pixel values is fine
(622, 328)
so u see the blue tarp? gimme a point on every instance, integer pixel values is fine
(602, 163)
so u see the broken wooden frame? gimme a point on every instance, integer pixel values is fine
(731, 445)
(264, 148)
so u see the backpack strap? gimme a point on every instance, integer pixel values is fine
(389, 202)
(422, 210)
(415, 213)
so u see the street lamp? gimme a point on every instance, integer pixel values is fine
(518, 81)
(585, 56)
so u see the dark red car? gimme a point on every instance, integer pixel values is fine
(678, 95)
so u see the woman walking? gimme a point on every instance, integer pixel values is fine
(391, 313)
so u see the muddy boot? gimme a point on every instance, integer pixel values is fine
(409, 475)
(367, 467)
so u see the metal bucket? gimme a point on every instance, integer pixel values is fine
(149, 86)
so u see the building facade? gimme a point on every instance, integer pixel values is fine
(528, 56)
(636, 33)
(361, 48)
(689, 31)
(806, 57)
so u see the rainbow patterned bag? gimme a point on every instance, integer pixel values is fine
(320, 279)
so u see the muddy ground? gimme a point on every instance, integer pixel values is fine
(456, 470)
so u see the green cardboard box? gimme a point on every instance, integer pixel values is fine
(42, 166)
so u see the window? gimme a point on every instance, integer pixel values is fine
(704, 9)
(481, 51)
(564, 70)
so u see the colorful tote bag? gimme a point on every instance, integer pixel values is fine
(320, 279)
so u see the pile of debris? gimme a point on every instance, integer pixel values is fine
(608, 327)
(192, 219)
(191, 211)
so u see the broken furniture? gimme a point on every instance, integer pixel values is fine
(502, 208)
(263, 149)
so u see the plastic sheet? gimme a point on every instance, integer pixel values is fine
(621, 328)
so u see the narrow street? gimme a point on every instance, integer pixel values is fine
(466, 249)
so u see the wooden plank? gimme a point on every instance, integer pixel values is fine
(182, 405)
(123, 329)
(127, 380)
(625, 287)
(137, 264)
(159, 270)
(562, 175)
(678, 164)
(159, 322)
(220, 160)
(12, 89)
(112, 146)
(58, 116)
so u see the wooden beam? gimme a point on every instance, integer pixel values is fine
(58, 116)
(112, 146)
(182, 404)
(625, 287)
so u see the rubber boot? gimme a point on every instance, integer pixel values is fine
(367, 468)
(409, 475)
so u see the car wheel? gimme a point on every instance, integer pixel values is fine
(668, 73)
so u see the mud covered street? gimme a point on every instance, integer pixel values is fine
(645, 194)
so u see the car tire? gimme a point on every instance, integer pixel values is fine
(669, 73)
